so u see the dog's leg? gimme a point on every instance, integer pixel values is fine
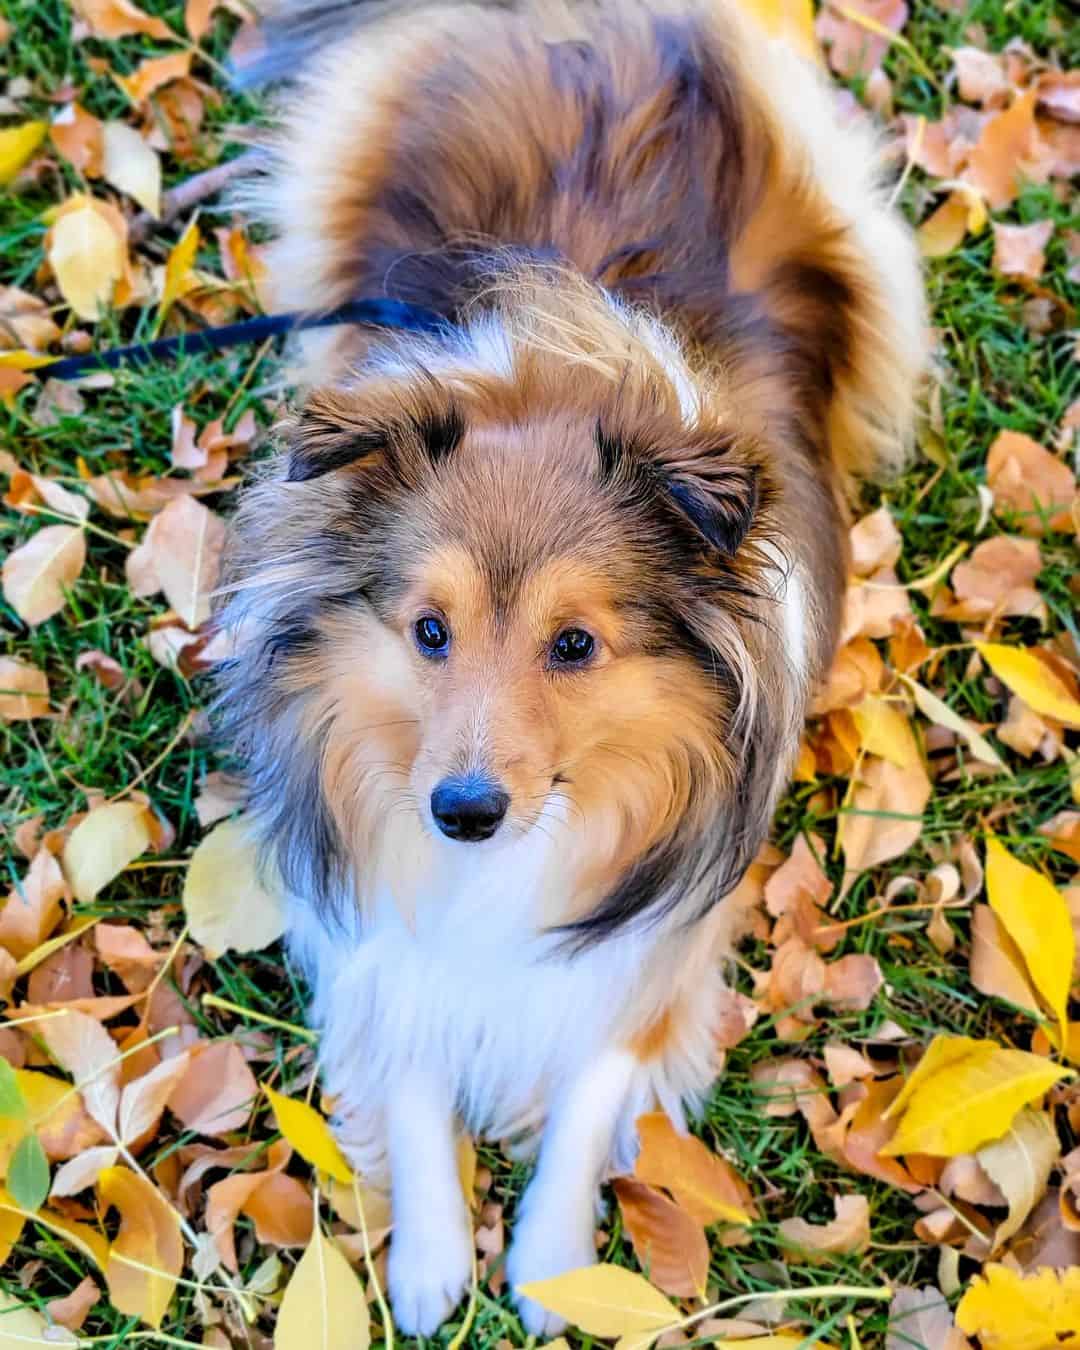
(431, 1247)
(557, 1219)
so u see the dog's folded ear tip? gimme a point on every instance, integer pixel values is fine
(721, 510)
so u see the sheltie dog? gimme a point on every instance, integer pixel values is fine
(529, 609)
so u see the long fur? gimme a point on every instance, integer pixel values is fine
(684, 319)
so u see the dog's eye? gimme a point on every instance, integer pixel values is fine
(432, 636)
(572, 647)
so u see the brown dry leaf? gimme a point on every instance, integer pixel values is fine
(876, 607)
(852, 982)
(1020, 250)
(868, 1132)
(997, 968)
(217, 1092)
(153, 73)
(857, 670)
(67, 1130)
(185, 452)
(1063, 831)
(734, 1014)
(1020, 1163)
(279, 1205)
(149, 1235)
(844, 1064)
(670, 1246)
(788, 1086)
(35, 908)
(1031, 482)
(815, 1243)
(998, 579)
(27, 492)
(72, 1310)
(143, 1101)
(706, 1186)
(884, 816)
(128, 497)
(1059, 94)
(182, 553)
(920, 1319)
(77, 135)
(981, 77)
(106, 669)
(796, 894)
(1008, 150)
(83, 1170)
(854, 48)
(24, 690)
(37, 574)
(875, 542)
(119, 18)
(127, 953)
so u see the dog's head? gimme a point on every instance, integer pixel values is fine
(498, 599)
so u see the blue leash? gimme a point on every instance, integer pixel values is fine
(389, 314)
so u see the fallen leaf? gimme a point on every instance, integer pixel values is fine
(670, 1245)
(149, 1235)
(226, 906)
(35, 907)
(1031, 482)
(997, 968)
(844, 1064)
(104, 843)
(24, 690)
(309, 1134)
(185, 544)
(919, 1319)
(106, 669)
(604, 1300)
(37, 574)
(324, 1303)
(143, 1101)
(219, 797)
(153, 73)
(854, 47)
(28, 1173)
(1019, 1164)
(217, 1092)
(77, 135)
(83, 1170)
(85, 1049)
(939, 712)
(884, 816)
(884, 731)
(1059, 94)
(1008, 150)
(1034, 914)
(119, 18)
(72, 1310)
(65, 1128)
(17, 144)
(21, 1325)
(875, 542)
(132, 166)
(27, 492)
(1063, 832)
(88, 256)
(706, 1186)
(998, 579)
(980, 76)
(1010, 1311)
(1020, 250)
(1040, 688)
(852, 982)
(965, 1093)
(848, 1232)
(128, 497)
(179, 281)
(946, 228)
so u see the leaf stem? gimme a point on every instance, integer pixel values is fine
(305, 1033)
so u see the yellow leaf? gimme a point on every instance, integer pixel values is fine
(88, 258)
(604, 1300)
(1034, 682)
(1034, 914)
(149, 1235)
(324, 1307)
(226, 905)
(71, 932)
(38, 574)
(132, 166)
(17, 144)
(968, 1094)
(21, 1326)
(12, 1221)
(938, 712)
(178, 268)
(884, 731)
(944, 229)
(310, 1135)
(103, 844)
(1009, 1311)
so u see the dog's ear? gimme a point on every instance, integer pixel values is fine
(718, 499)
(338, 429)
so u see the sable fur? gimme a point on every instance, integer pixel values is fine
(684, 318)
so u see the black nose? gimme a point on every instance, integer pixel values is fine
(468, 808)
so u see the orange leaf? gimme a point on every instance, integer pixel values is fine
(149, 1235)
(217, 1093)
(152, 74)
(79, 137)
(1030, 481)
(706, 1186)
(1006, 151)
(24, 690)
(670, 1245)
(119, 18)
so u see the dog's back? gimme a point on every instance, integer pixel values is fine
(669, 149)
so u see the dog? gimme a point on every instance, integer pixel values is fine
(528, 609)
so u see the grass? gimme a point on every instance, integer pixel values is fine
(995, 375)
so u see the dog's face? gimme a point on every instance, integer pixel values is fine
(503, 609)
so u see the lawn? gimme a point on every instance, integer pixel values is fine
(886, 826)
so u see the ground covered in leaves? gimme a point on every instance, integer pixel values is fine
(898, 1124)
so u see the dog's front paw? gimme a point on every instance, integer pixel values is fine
(543, 1247)
(428, 1270)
